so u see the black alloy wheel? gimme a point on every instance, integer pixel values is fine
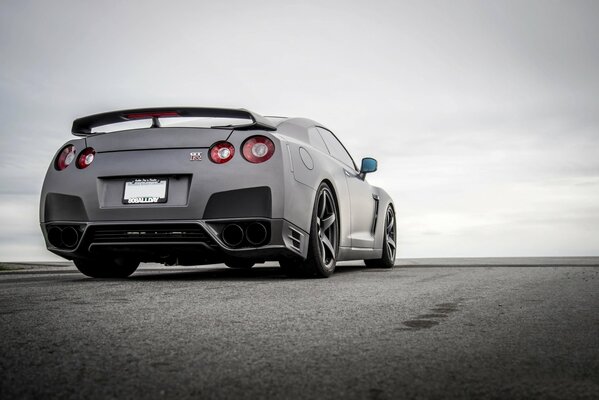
(323, 243)
(387, 259)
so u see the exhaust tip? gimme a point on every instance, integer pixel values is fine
(232, 235)
(69, 237)
(256, 233)
(54, 236)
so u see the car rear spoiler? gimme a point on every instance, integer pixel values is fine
(83, 126)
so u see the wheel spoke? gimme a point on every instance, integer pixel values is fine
(322, 251)
(322, 205)
(391, 242)
(327, 244)
(327, 222)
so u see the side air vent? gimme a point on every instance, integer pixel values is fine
(296, 238)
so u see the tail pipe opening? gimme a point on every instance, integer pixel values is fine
(232, 235)
(64, 237)
(54, 236)
(256, 233)
(69, 237)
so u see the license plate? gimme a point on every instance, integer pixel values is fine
(145, 191)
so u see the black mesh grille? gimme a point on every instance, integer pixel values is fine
(176, 233)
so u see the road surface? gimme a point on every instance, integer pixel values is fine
(515, 328)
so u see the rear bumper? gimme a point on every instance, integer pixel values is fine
(182, 241)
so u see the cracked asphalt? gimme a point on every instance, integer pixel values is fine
(470, 328)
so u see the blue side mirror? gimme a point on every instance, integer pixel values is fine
(368, 165)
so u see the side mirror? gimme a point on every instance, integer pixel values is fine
(368, 165)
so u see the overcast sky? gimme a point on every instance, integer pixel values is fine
(484, 116)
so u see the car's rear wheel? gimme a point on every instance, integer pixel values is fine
(324, 239)
(106, 268)
(239, 264)
(387, 259)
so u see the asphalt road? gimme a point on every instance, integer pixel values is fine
(427, 329)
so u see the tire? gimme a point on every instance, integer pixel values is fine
(323, 244)
(389, 242)
(121, 268)
(239, 264)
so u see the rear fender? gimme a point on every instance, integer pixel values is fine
(310, 167)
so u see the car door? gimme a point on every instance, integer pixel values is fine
(363, 203)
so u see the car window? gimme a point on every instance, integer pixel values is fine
(316, 140)
(336, 149)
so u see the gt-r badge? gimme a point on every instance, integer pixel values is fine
(195, 156)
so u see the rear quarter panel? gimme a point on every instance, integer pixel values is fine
(310, 167)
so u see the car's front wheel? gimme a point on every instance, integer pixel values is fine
(103, 268)
(387, 259)
(324, 239)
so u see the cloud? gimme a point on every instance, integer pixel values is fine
(484, 115)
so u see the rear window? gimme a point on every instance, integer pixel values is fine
(336, 149)
(316, 140)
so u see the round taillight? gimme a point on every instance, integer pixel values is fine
(86, 158)
(221, 152)
(258, 149)
(65, 157)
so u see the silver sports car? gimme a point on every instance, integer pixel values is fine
(162, 185)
